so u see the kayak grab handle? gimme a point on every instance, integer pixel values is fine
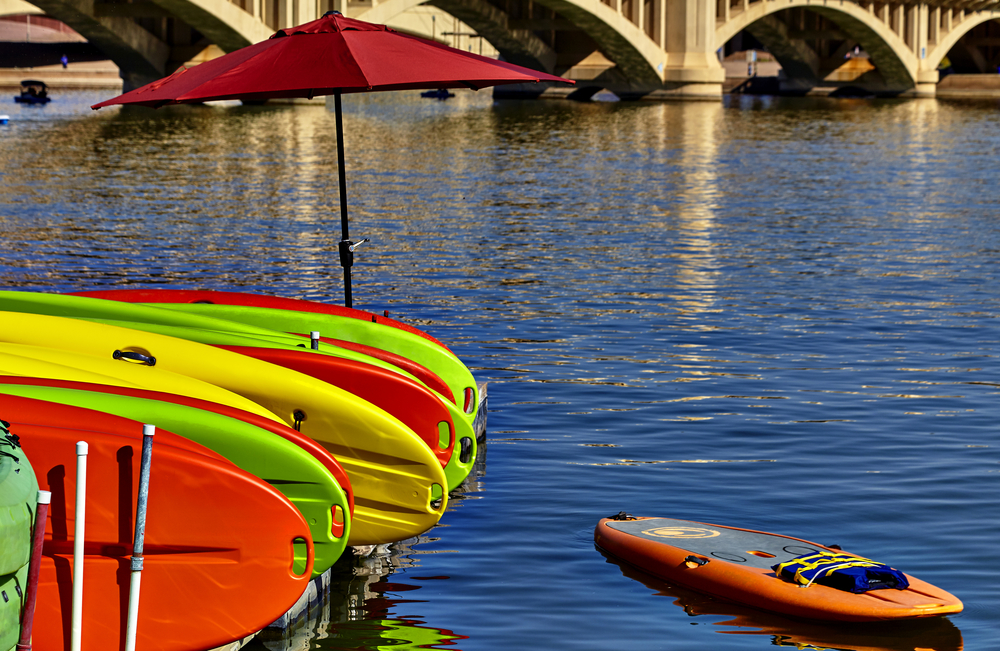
(694, 561)
(148, 360)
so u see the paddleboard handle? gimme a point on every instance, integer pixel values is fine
(694, 561)
(34, 566)
(148, 360)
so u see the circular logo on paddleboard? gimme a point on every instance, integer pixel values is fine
(681, 532)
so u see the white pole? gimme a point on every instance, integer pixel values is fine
(140, 531)
(78, 541)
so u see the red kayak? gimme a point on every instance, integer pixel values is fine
(412, 403)
(422, 373)
(251, 300)
(211, 573)
(282, 430)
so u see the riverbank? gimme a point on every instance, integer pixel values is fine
(983, 86)
(104, 75)
(83, 75)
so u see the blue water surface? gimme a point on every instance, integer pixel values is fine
(778, 314)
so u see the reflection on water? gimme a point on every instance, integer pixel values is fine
(359, 610)
(778, 314)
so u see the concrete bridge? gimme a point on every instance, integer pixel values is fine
(650, 49)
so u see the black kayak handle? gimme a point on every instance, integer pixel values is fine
(148, 360)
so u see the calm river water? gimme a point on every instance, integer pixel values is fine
(773, 314)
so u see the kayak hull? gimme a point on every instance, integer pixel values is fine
(302, 317)
(18, 497)
(273, 426)
(211, 574)
(399, 486)
(253, 300)
(435, 419)
(288, 468)
(414, 404)
(50, 363)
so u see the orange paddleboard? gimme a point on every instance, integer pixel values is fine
(735, 565)
(212, 573)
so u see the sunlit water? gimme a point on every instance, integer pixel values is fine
(773, 314)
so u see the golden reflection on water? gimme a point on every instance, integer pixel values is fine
(698, 192)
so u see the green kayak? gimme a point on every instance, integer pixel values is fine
(440, 360)
(18, 492)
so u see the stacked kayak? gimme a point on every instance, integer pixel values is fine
(352, 436)
(435, 417)
(292, 471)
(206, 563)
(385, 338)
(18, 488)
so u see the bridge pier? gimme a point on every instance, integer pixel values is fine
(927, 81)
(691, 68)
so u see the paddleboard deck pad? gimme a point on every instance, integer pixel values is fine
(737, 565)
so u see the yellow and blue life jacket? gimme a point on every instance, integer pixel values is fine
(840, 571)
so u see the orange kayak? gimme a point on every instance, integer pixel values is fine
(736, 565)
(211, 574)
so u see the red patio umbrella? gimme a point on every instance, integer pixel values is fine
(331, 56)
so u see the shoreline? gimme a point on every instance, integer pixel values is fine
(104, 75)
(84, 75)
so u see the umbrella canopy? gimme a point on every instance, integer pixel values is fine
(331, 56)
(327, 55)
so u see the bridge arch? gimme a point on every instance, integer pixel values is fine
(897, 63)
(937, 54)
(519, 46)
(140, 55)
(638, 58)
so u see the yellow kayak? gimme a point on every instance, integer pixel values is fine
(37, 361)
(398, 483)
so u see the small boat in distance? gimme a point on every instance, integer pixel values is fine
(33, 92)
(440, 93)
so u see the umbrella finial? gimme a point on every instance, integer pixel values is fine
(333, 12)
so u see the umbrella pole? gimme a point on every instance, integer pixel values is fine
(346, 246)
